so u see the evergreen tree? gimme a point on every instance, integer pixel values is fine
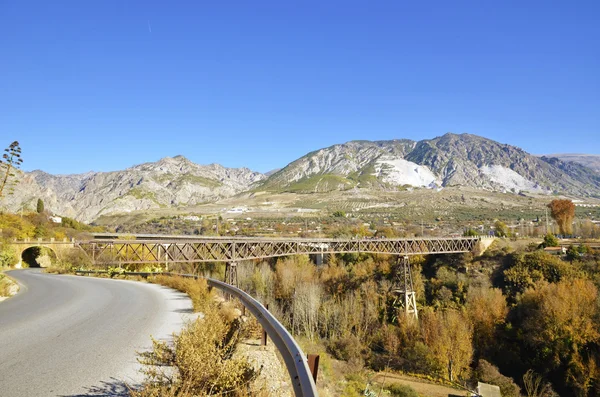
(40, 206)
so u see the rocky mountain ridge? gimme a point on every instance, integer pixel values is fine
(589, 160)
(449, 160)
(168, 182)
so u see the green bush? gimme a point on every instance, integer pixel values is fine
(470, 233)
(550, 240)
(402, 391)
(115, 271)
(7, 258)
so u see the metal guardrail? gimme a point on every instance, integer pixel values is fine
(293, 356)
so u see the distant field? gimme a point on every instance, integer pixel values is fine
(451, 206)
(421, 386)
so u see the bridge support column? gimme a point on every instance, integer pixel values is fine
(405, 294)
(319, 259)
(231, 273)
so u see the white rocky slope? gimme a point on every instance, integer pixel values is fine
(449, 160)
(397, 171)
(168, 182)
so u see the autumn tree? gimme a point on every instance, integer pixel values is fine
(563, 212)
(487, 309)
(559, 324)
(11, 161)
(448, 335)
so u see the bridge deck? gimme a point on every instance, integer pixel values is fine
(236, 249)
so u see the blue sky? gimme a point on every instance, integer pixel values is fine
(108, 84)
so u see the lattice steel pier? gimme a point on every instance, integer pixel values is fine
(406, 300)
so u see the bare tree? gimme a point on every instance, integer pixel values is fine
(11, 161)
(535, 387)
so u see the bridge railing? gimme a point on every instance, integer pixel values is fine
(293, 356)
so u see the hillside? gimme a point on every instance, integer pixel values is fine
(589, 160)
(359, 168)
(169, 182)
(449, 160)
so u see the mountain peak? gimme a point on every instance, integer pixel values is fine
(448, 160)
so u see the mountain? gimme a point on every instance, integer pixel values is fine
(168, 182)
(589, 160)
(449, 160)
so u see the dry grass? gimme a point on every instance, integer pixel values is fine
(197, 290)
(200, 362)
(5, 286)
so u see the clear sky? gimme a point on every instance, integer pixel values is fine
(103, 85)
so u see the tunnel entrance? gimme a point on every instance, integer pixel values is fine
(38, 257)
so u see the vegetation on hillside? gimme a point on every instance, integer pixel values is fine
(39, 225)
(494, 318)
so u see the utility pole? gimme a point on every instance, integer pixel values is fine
(546, 220)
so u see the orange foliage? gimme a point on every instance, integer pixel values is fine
(563, 212)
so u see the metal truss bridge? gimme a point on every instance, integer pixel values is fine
(238, 249)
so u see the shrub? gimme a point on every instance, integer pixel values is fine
(550, 240)
(346, 348)
(4, 285)
(402, 391)
(488, 373)
(69, 262)
(7, 257)
(196, 289)
(199, 362)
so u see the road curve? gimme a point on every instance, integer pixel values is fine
(78, 336)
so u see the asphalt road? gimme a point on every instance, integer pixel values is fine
(78, 336)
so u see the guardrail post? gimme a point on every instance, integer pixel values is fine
(263, 339)
(313, 365)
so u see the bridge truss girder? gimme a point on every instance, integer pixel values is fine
(232, 250)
